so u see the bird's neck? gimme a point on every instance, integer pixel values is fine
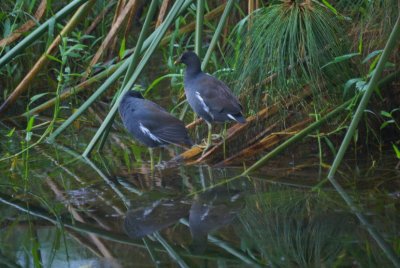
(193, 69)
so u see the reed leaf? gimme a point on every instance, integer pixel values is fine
(217, 33)
(199, 27)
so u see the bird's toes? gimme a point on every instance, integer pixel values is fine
(216, 137)
(202, 145)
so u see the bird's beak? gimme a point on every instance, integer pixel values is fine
(177, 61)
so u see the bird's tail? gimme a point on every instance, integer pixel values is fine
(239, 118)
(189, 142)
(186, 144)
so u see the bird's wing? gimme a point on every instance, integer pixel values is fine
(165, 127)
(217, 96)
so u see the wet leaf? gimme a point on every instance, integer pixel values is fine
(330, 145)
(30, 123)
(396, 150)
(122, 48)
(371, 55)
(10, 133)
(349, 84)
(331, 8)
(53, 58)
(386, 114)
(341, 58)
(28, 136)
(386, 123)
(361, 86)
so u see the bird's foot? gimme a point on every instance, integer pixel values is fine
(216, 137)
(206, 147)
(203, 146)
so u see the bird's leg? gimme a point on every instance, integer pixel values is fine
(151, 159)
(224, 139)
(208, 145)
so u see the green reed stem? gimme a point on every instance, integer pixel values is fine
(75, 89)
(139, 45)
(26, 82)
(386, 248)
(199, 27)
(151, 252)
(89, 101)
(314, 126)
(217, 33)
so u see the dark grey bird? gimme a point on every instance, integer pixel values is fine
(209, 97)
(151, 124)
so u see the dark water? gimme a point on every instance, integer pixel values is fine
(58, 210)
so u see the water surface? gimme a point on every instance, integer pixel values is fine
(59, 210)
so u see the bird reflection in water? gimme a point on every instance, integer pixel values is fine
(143, 221)
(207, 212)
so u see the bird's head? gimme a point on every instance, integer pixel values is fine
(192, 62)
(134, 94)
(188, 58)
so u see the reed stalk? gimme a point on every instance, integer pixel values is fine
(217, 33)
(314, 126)
(199, 27)
(171, 251)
